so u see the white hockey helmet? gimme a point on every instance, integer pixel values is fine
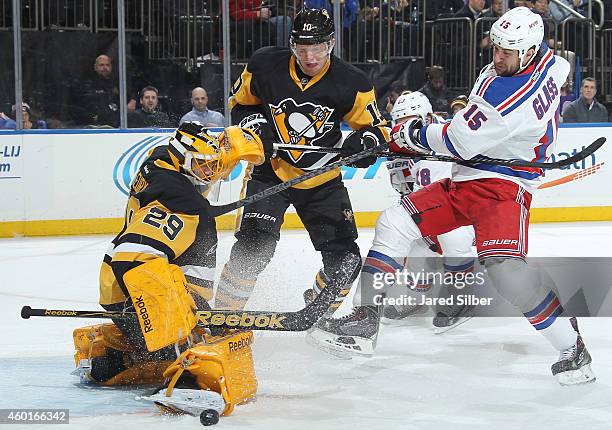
(518, 29)
(414, 103)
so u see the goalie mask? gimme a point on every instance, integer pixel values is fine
(208, 158)
(200, 154)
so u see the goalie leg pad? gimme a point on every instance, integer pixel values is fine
(162, 302)
(102, 356)
(224, 365)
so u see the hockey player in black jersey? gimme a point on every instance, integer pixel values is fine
(161, 266)
(300, 95)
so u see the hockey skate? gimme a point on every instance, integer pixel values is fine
(392, 313)
(574, 364)
(352, 335)
(450, 316)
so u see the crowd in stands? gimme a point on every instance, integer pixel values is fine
(95, 98)
(97, 105)
(446, 103)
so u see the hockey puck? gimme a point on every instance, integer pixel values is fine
(209, 417)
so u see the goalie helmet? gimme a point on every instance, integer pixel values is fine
(518, 29)
(199, 154)
(209, 158)
(411, 104)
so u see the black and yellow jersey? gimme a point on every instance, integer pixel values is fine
(166, 217)
(305, 111)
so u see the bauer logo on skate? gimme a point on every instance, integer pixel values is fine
(244, 319)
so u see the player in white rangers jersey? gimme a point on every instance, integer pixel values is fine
(512, 114)
(407, 175)
(419, 173)
(412, 174)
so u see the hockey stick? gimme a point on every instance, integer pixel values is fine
(223, 209)
(252, 320)
(569, 178)
(471, 162)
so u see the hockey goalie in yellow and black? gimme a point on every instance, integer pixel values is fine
(161, 266)
(301, 95)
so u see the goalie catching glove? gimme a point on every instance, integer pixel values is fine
(405, 138)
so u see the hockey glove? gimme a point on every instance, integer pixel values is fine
(268, 138)
(359, 141)
(258, 123)
(400, 177)
(405, 138)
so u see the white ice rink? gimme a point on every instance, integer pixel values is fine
(487, 373)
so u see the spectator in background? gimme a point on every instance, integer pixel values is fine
(200, 112)
(560, 14)
(436, 91)
(29, 122)
(457, 104)
(519, 3)
(541, 8)
(253, 11)
(586, 108)
(435, 8)
(148, 116)
(472, 9)
(98, 96)
(496, 10)
(566, 96)
(397, 88)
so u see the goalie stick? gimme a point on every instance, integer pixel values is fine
(382, 152)
(300, 320)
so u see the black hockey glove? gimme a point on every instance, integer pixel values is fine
(359, 141)
(268, 137)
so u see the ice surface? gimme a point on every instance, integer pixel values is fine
(489, 372)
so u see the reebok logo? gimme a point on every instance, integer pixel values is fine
(60, 313)
(242, 343)
(500, 242)
(244, 319)
(143, 315)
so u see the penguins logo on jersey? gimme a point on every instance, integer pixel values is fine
(300, 124)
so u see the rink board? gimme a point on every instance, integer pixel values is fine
(76, 181)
